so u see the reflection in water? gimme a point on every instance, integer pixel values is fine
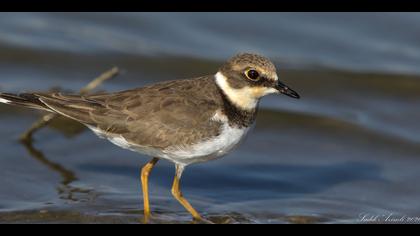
(351, 145)
(69, 128)
(65, 190)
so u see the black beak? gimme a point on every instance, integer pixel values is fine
(282, 88)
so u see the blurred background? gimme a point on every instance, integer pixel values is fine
(349, 148)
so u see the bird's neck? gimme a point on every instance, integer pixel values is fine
(243, 98)
(240, 109)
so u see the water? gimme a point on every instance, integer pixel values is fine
(348, 150)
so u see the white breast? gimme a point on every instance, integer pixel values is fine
(206, 150)
(213, 148)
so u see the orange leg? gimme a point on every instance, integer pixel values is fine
(145, 171)
(176, 192)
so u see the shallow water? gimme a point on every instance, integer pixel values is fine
(348, 150)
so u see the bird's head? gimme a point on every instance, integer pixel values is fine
(246, 77)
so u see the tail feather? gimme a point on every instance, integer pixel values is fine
(24, 100)
(71, 106)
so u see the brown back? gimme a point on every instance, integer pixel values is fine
(173, 113)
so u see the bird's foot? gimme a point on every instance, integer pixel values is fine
(202, 221)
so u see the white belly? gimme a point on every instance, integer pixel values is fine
(228, 139)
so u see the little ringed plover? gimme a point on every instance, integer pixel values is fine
(184, 121)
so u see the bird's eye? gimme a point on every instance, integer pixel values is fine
(252, 74)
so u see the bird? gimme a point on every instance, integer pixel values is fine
(184, 121)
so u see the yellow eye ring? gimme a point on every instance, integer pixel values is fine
(252, 74)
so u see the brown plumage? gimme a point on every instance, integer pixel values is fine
(162, 115)
(185, 121)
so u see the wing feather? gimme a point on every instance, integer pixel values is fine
(161, 115)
